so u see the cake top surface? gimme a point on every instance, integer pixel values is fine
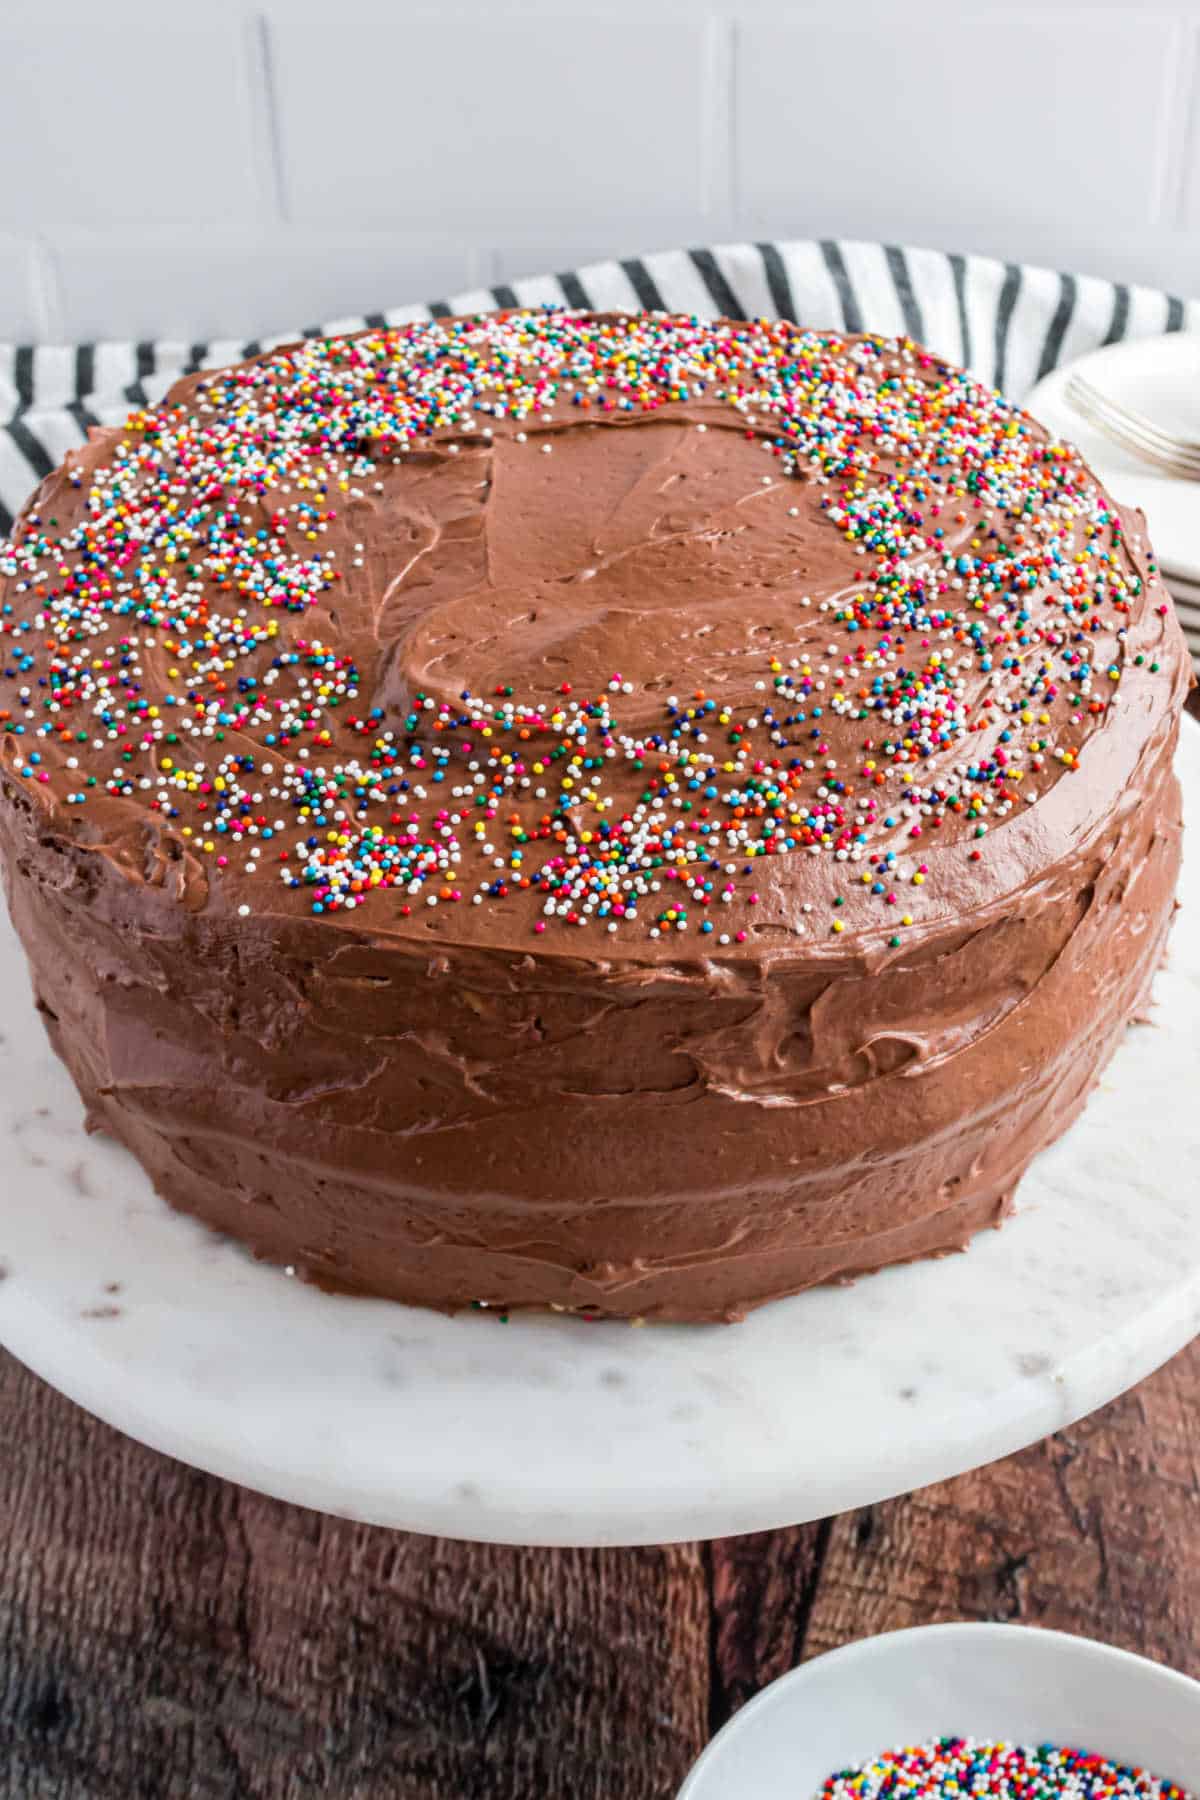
(625, 631)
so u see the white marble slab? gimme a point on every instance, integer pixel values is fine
(550, 1430)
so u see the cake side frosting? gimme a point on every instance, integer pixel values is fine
(682, 816)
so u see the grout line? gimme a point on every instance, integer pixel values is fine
(808, 1594)
(718, 1699)
(46, 293)
(1173, 179)
(720, 193)
(269, 130)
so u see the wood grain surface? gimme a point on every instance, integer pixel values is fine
(164, 1634)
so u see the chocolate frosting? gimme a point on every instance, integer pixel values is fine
(358, 798)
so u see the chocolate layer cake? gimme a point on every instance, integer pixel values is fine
(623, 814)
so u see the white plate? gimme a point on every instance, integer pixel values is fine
(550, 1430)
(1157, 376)
(1004, 1682)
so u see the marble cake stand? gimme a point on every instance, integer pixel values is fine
(550, 1430)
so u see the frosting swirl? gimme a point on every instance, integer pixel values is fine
(626, 813)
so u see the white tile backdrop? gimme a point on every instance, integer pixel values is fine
(215, 167)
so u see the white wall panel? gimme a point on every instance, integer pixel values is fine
(456, 119)
(249, 165)
(179, 282)
(984, 130)
(125, 113)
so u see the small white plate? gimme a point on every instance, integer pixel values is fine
(1159, 377)
(1003, 1682)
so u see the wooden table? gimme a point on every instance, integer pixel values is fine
(163, 1634)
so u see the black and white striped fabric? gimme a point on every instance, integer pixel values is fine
(1009, 323)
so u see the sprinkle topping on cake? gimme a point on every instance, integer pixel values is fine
(175, 646)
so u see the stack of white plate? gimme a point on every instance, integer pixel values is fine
(1186, 595)
(1158, 377)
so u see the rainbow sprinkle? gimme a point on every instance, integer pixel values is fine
(961, 1768)
(167, 651)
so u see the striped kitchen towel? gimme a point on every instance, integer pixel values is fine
(1009, 323)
